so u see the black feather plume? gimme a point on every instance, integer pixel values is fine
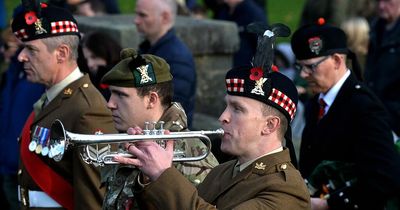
(265, 42)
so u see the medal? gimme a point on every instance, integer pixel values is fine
(45, 151)
(32, 146)
(38, 149)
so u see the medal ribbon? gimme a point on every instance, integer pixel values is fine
(48, 180)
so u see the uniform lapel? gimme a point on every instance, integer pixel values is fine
(66, 93)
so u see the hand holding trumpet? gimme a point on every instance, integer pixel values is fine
(148, 156)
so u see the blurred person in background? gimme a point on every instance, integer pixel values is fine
(242, 12)
(101, 52)
(382, 73)
(155, 20)
(357, 32)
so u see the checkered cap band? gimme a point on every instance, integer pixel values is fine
(49, 22)
(63, 26)
(235, 85)
(21, 34)
(283, 101)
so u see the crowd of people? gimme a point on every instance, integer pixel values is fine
(333, 91)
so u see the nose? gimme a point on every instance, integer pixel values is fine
(223, 119)
(304, 74)
(111, 103)
(22, 56)
(136, 20)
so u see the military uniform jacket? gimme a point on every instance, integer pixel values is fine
(82, 109)
(353, 130)
(121, 180)
(271, 182)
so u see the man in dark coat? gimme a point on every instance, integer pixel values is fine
(346, 124)
(50, 39)
(155, 20)
(382, 73)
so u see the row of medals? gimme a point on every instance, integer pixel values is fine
(40, 143)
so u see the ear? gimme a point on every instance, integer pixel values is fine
(166, 17)
(153, 100)
(63, 53)
(272, 123)
(338, 59)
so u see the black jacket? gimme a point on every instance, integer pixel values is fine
(382, 74)
(354, 130)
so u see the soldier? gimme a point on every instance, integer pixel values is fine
(142, 91)
(260, 106)
(50, 39)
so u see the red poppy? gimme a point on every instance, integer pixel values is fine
(30, 17)
(256, 73)
(274, 68)
(43, 5)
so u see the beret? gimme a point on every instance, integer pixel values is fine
(273, 88)
(46, 21)
(136, 70)
(318, 39)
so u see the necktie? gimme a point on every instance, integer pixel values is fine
(38, 105)
(322, 105)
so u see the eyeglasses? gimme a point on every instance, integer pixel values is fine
(309, 68)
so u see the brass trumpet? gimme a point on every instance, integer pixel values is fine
(61, 140)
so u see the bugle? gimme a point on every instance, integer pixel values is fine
(61, 140)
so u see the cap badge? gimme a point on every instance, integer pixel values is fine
(315, 44)
(144, 74)
(257, 76)
(260, 166)
(39, 27)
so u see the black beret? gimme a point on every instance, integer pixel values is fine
(272, 88)
(319, 39)
(136, 70)
(50, 21)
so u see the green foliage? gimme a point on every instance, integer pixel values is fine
(287, 12)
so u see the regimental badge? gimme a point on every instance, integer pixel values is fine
(260, 166)
(39, 27)
(258, 89)
(144, 74)
(315, 44)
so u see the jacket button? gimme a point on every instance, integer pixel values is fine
(283, 166)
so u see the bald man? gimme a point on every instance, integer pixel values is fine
(154, 20)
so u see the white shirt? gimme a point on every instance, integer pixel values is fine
(330, 96)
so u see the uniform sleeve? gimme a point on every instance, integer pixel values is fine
(173, 191)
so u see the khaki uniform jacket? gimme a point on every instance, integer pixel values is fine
(82, 109)
(121, 179)
(271, 182)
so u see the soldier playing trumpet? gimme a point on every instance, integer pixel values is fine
(142, 90)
